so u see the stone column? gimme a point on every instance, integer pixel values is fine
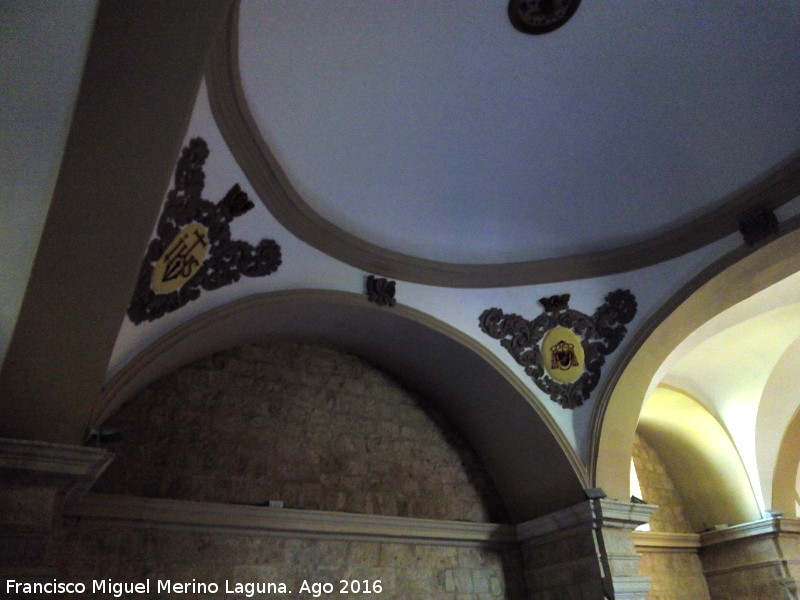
(37, 481)
(585, 552)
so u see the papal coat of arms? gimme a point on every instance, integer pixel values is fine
(563, 350)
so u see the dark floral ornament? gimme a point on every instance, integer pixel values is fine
(193, 247)
(380, 291)
(563, 350)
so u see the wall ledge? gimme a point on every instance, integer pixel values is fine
(776, 564)
(263, 520)
(763, 527)
(655, 541)
(591, 514)
(47, 459)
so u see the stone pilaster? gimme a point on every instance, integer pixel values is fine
(585, 552)
(758, 560)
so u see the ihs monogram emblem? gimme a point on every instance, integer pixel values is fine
(193, 247)
(181, 260)
(562, 349)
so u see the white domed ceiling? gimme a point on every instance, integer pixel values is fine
(440, 132)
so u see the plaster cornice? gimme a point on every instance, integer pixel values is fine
(240, 131)
(656, 541)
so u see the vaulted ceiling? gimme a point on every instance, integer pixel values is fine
(449, 136)
(477, 165)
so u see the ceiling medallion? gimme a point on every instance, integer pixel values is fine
(540, 16)
(562, 349)
(193, 246)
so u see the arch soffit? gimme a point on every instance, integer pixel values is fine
(535, 469)
(240, 131)
(778, 449)
(786, 477)
(734, 278)
(701, 458)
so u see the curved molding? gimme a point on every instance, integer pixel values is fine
(777, 445)
(784, 477)
(237, 125)
(243, 321)
(724, 283)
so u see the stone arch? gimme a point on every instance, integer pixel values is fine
(531, 464)
(786, 477)
(778, 456)
(724, 284)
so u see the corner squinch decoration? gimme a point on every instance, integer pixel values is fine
(562, 349)
(193, 246)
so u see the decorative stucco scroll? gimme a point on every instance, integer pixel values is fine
(563, 349)
(380, 291)
(193, 248)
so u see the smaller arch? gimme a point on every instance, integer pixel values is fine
(701, 459)
(311, 425)
(778, 445)
(734, 278)
(786, 478)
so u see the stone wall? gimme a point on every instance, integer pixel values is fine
(88, 549)
(753, 561)
(658, 488)
(307, 425)
(135, 544)
(324, 432)
(675, 573)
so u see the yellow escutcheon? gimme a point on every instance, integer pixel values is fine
(562, 354)
(181, 260)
